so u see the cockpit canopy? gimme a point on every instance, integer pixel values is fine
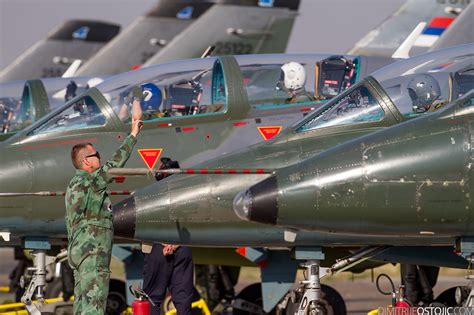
(409, 82)
(23, 102)
(179, 91)
(415, 86)
(198, 87)
(173, 94)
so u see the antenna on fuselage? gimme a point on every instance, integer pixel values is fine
(208, 51)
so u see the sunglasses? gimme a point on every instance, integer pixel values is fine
(96, 154)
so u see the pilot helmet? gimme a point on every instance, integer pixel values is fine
(151, 97)
(293, 76)
(423, 90)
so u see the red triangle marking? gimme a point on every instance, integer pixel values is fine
(150, 156)
(269, 132)
(242, 251)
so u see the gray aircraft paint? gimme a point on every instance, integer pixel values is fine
(460, 32)
(146, 36)
(386, 38)
(265, 30)
(309, 26)
(51, 57)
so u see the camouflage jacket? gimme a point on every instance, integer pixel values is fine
(87, 202)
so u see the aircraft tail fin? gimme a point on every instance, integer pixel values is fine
(71, 71)
(390, 34)
(461, 31)
(403, 52)
(237, 30)
(146, 36)
(82, 38)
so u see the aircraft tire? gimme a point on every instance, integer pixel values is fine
(251, 293)
(331, 300)
(117, 299)
(54, 289)
(447, 297)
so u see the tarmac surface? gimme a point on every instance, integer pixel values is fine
(358, 291)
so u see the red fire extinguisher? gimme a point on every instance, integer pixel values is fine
(141, 304)
(398, 297)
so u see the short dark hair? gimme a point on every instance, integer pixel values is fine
(76, 156)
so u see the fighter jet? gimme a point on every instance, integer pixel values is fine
(412, 181)
(409, 180)
(196, 209)
(198, 109)
(72, 42)
(268, 22)
(170, 17)
(381, 100)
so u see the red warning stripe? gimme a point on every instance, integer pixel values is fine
(240, 123)
(55, 193)
(119, 192)
(119, 179)
(220, 171)
(188, 129)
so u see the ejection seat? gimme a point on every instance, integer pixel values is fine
(332, 76)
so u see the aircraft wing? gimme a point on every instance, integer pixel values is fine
(51, 57)
(387, 38)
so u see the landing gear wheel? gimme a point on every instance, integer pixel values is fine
(54, 289)
(116, 300)
(331, 302)
(252, 294)
(447, 297)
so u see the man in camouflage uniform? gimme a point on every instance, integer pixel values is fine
(89, 222)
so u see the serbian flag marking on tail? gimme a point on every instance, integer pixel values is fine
(150, 156)
(433, 30)
(269, 132)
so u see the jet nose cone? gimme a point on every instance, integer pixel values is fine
(125, 214)
(258, 203)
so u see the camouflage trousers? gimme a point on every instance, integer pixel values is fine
(90, 262)
(91, 286)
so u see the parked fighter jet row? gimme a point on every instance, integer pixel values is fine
(294, 158)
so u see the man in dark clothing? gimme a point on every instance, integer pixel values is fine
(419, 282)
(169, 267)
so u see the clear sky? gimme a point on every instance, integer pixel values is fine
(322, 25)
